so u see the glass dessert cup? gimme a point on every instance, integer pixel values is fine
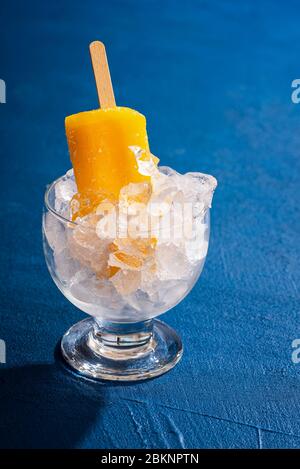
(121, 340)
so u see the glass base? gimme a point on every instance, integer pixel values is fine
(121, 352)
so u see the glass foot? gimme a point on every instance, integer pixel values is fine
(121, 352)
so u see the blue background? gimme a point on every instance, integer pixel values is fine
(214, 80)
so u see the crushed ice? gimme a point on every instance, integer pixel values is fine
(143, 251)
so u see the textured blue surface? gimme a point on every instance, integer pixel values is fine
(214, 80)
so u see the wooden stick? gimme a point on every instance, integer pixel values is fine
(102, 76)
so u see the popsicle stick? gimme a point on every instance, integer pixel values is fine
(102, 76)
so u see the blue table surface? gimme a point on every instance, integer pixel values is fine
(214, 80)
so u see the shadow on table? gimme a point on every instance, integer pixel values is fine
(45, 406)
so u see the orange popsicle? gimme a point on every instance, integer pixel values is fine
(99, 145)
(99, 142)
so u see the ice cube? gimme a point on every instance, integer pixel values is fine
(167, 171)
(107, 228)
(141, 301)
(88, 288)
(147, 163)
(196, 247)
(199, 186)
(65, 189)
(66, 265)
(140, 225)
(172, 263)
(150, 283)
(172, 291)
(161, 201)
(134, 194)
(55, 232)
(126, 281)
(70, 173)
(86, 247)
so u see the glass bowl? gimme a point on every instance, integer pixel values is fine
(120, 340)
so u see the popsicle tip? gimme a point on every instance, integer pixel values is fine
(96, 44)
(102, 75)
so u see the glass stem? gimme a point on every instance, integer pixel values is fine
(126, 340)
